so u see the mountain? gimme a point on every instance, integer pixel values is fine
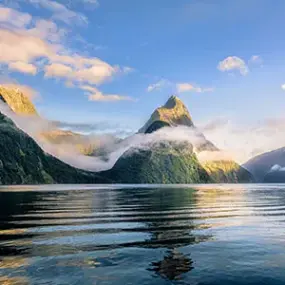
(174, 162)
(173, 113)
(227, 171)
(22, 161)
(22, 105)
(275, 175)
(261, 165)
(82, 143)
(162, 163)
(17, 101)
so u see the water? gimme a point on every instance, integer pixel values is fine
(203, 234)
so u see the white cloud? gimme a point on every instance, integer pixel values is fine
(245, 141)
(47, 30)
(61, 12)
(233, 63)
(158, 85)
(58, 70)
(19, 45)
(40, 47)
(43, 41)
(127, 69)
(277, 167)
(13, 17)
(93, 2)
(256, 60)
(188, 87)
(23, 67)
(80, 69)
(95, 95)
(283, 86)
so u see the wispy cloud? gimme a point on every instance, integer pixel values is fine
(61, 12)
(23, 67)
(96, 95)
(245, 140)
(127, 70)
(256, 61)
(106, 127)
(233, 63)
(92, 2)
(188, 87)
(158, 85)
(15, 18)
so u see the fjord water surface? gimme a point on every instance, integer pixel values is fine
(192, 234)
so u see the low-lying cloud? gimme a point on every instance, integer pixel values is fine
(277, 167)
(236, 142)
(245, 141)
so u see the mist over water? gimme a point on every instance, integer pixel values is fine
(191, 234)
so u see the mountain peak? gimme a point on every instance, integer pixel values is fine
(172, 113)
(172, 102)
(17, 101)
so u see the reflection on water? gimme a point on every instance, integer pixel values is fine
(173, 265)
(150, 235)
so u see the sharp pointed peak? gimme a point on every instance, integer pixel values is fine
(172, 113)
(173, 101)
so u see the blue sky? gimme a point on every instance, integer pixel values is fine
(117, 60)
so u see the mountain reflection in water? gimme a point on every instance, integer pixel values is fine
(226, 234)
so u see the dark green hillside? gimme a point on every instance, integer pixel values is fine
(22, 161)
(163, 163)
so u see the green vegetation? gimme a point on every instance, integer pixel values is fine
(22, 161)
(169, 162)
(163, 163)
(226, 171)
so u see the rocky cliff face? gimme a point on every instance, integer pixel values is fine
(22, 105)
(173, 113)
(17, 101)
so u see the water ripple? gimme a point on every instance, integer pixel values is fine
(199, 234)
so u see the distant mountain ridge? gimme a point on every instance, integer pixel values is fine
(261, 166)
